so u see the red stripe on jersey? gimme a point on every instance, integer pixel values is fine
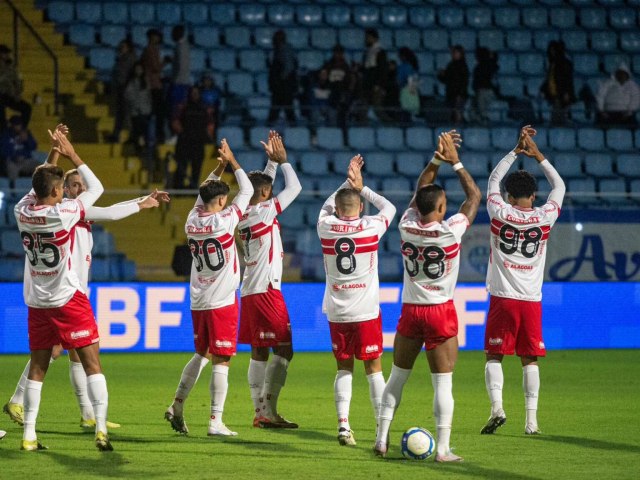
(237, 210)
(367, 248)
(278, 206)
(330, 242)
(227, 243)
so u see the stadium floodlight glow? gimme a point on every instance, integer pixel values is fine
(578, 227)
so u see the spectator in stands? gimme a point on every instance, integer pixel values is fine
(153, 64)
(392, 96)
(557, 88)
(483, 84)
(138, 98)
(11, 89)
(456, 80)
(375, 74)
(618, 99)
(122, 69)
(180, 69)
(321, 111)
(283, 78)
(211, 95)
(340, 85)
(407, 81)
(16, 149)
(192, 125)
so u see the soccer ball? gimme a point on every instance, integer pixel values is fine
(417, 443)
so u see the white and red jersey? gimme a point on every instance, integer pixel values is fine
(350, 250)
(215, 271)
(81, 252)
(260, 233)
(431, 257)
(519, 237)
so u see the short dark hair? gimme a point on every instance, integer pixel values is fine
(68, 173)
(44, 179)
(259, 179)
(520, 184)
(211, 189)
(427, 198)
(346, 197)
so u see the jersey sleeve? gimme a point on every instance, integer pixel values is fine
(410, 215)
(94, 187)
(271, 169)
(386, 208)
(556, 196)
(292, 187)
(71, 212)
(458, 224)
(495, 203)
(112, 213)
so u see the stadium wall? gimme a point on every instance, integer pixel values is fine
(152, 317)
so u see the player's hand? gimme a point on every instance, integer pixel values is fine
(455, 137)
(268, 147)
(279, 152)
(61, 144)
(354, 173)
(526, 131)
(447, 149)
(161, 196)
(226, 155)
(148, 202)
(62, 128)
(530, 149)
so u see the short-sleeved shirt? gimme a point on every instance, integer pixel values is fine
(350, 250)
(431, 257)
(518, 248)
(47, 237)
(215, 272)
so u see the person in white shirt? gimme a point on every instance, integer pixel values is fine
(215, 277)
(519, 233)
(618, 99)
(264, 319)
(431, 251)
(351, 298)
(81, 262)
(59, 310)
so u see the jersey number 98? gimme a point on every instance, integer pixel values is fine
(510, 240)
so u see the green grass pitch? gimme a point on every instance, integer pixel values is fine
(589, 412)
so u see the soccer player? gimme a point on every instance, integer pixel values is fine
(264, 320)
(431, 251)
(215, 277)
(351, 296)
(59, 310)
(81, 262)
(519, 233)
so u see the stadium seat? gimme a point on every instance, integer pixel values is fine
(504, 138)
(103, 244)
(422, 16)
(379, 164)
(351, 38)
(619, 139)
(311, 59)
(222, 13)
(298, 38)
(511, 86)
(450, 17)
(142, 13)
(392, 239)
(622, 18)
(599, 165)
(281, 14)
(139, 35)
(592, 18)
(613, 60)
(613, 191)
(263, 37)
(253, 60)
(534, 18)
(390, 138)
(435, 39)
(466, 38)
(11, 243)
(454, 191)
(586, 63)
(419, 138)
(195, 13)
(562, 17)
(198, 58)
(507, 17)
(390, 267)
(309, 15)
(102, 58)
(575, 40)
(425, 63)
(337, 15)
(366, 15)
(411, 164)
(427, 85)
(222, 60)
(293, 216)
(60, 12)
(205, 36)
(297, 138)
(591, 139)
(112, 35)
(234, 136)
(82, 35)
(327, 184)
(582, 190)
(101, 270)
(477, 138)
(604, 41)
(394, 16)
(531, 63)
(541, 38)
(397, 187)
(407, 37)
(314, 163)
(628, 165)
(115, 12)
(532, 85)
(323, 38)
(568, 164)
(12, 270)
(491, 39)
(476, 163)
(630, 41)
(168, 13)
(254, 159)
(362, 138)
(89, 12)
(330, 138)
(478, 17)
(562, 138)
(519, 40)
(634, 190)
(257, 135)
(252, 14)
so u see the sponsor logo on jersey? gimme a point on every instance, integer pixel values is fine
(196, 230)
(371, 348)
(34, 220)
(515, 266)
(223, 344)
(346, 228)
(433, 288)
(348, 286)
(80, 334)
(511, 218)
(51, 273)
(495, 341)
(268, 335)
(423, 233)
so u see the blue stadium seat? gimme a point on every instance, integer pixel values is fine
(351, 38)
(293, 216)
(11, 243)
(139, 35)
(478, 17)
(257, 135)
(337, 15)
(394, 16)
(298, 38)
(575, 40)
(634, 190)
(297, 138)
(425, 62)
(103, 244)
(586, 63)
(195, 13)
(511, 86)
(12, 270)
(253, 60)
(466, 38)
(222, 13)
(398, 186)
(101, 270)
(252, 14)
(390, 138)
(562, 17)
(205, 36)
(22, 185)
(568, 164)
(582, 190)
(450, 17)
(407, 37)
(169, 13)
(613, 191)
(411, 164)
(323, 38)
(314, 163)
(477, 138)
(234, 136)
(454, 191)
(420, 139)
(433, 39)
(619, 139)
(112, 35)
(330, 138)
(599, 165)
(591, 139)
(532, 85)
(593, 18)
(222, 60)
(311, 59)
(379, 163)
(541, 38)
(362, 138)
(254, 160)
(309, 15)
(531, 63)
(604, 41)
(562, 138)
(504, 138)
(622, 18)
(507, 17)
(613, 61)
(630, 41)
(143, 13)
(519, 40)
(102, 58)
(366, 15)
(237, 37)
(534, 18)
(116, 12)
(491, 39)
(428, 85)
(263, 37)
(281, 14)
(89, 12)
(82, 34)
(390, 267)
(392, 239)
(327, 184)
(198, 58)
(476, 163)
(60, 12)
(628, 165)
(422, 16)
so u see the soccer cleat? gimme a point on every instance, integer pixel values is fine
(448, 457)
(257, 420)
(91, 423)
(221, 430)
(15, 412)
(532, 430)
(32, 446)
(380, 449)
(102, 442)
(494, 423)
(278, 421)
(345, 437)
(177, 423)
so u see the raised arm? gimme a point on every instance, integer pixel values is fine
(505, 164)
(125, 209)
(530, 149)
(329, 206)
(272, 164)
(354, 177)
(214, 175)
(292, 187)
(53, 156)
(241, 201)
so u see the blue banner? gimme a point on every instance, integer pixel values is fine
(148, 317)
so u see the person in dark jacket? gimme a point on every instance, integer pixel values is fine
(122, 69)
(375, 74)
(283, 79)
(456, 80)
(557, 88)
(484, 83)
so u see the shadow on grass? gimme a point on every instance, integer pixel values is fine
(302, 433)
(107, 464)
(589, 443)
(463, 469)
